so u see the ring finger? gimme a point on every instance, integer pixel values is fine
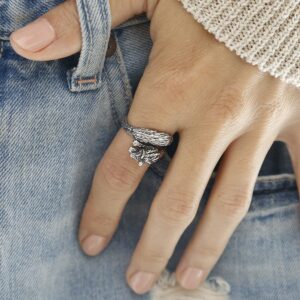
(229, 202)
(173, 208)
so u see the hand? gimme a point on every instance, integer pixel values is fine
(60, 35)
(219, 105)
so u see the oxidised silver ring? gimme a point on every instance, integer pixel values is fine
(148, 144)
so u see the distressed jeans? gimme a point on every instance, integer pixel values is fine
(56, 120)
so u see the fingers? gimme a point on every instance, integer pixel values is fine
(172, 210)
(54, 35)
(227, 205)
(115, 179)
(57, 33)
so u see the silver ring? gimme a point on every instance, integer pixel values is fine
(148, 144)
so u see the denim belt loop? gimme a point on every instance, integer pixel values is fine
(95, 21)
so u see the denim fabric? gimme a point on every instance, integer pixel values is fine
(95, 23)
(51, 140)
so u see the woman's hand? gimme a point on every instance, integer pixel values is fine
(218, 104)
(57, 34)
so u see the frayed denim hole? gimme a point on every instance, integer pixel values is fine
(167, 288)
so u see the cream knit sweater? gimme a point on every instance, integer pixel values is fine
(265, 33)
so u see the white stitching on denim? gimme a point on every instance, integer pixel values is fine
(78, 79)
(276, 177)
(86, 80)
(90, 33)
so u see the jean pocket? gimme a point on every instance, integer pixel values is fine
(95, 23)
(273, 192)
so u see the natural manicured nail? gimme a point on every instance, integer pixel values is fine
(141, 282)
(93, 244)
(34, 36)
(191, 278)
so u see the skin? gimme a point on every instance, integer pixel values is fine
(218, 104)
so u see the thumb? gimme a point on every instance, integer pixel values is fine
(57, 34)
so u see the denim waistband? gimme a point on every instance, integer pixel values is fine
(17, 13)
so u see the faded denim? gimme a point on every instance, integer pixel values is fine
(56, 120)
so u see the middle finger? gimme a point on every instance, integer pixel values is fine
(173, 208)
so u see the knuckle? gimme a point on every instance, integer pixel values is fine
(155, 257)
(69, 12)
(233, 204)
(118, 175)
(264, 134)
(172, 80)
(177, 207)
(172, 83)
(228, 105)
(248, 166)
(66, 11)
(271, 111)
(209, 253)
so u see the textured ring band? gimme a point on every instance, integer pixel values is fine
(148, 144)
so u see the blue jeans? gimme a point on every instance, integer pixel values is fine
(56, 120)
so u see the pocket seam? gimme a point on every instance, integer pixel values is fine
(126, 87)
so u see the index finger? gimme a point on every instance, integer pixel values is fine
(115, 179)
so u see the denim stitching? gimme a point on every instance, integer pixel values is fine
(271, 178)
(125, 86)
(86, 75)
(271, 210)
(124, 79)
(269, 191)
(87, 28)
(88, 25)
(271, 182)
(87, 80)
(104, 13)
(112, 104)
(78, 80)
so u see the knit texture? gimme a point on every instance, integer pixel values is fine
(265, 33)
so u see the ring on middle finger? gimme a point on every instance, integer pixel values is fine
(148, 144)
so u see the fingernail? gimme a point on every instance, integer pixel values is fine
(93, 244)
(141, 282)
(191, 278)
(34, 36)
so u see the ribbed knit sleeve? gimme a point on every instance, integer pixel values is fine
(265, 33)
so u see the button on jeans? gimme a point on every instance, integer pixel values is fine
(56, 120)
